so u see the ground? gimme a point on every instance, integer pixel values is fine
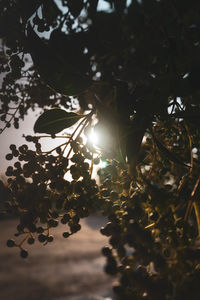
(67, 269)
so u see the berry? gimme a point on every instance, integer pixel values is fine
(31, 240)
(64, 220)
(42, 238)
(24, 253)
(9, 156)
(15, 153)
(53, 223)
(106, 251)
(12, 147)
(50, 238)
(40, 230)
(96, 161)
(10, 243)
(75, 227)
(66, 234)
(29, 138)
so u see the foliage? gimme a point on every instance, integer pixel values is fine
(136, 69)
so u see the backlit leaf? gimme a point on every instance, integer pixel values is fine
(55, 120)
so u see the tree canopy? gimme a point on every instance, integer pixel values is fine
(134, 69)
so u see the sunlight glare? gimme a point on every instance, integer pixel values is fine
(93, 137)
(103, 164)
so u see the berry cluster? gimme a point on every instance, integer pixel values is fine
(42, 196)
(149, 242)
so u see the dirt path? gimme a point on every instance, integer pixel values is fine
(67, 269)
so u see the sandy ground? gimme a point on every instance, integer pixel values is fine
(67, 269)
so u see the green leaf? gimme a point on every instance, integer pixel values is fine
(55, 120)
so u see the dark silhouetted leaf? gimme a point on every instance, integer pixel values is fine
(27, 8)
(50, 11)
(55, 120)
(168, 154)
(75, 7)
(60, 71)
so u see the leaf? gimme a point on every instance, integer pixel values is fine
(75, 7)
(50, 11)
(168, 154)
(189, 114)
(27, 8)
(55, 120)
(61, 71)
(64, 82)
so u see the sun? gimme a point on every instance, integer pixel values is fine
(93, 137)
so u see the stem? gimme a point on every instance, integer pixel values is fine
(92, 164)
(85, 120)
(190, 146)
(50, 151)
(21, 243)
(197, 214)
(57, 136)
(194, 198)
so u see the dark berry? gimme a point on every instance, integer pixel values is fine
(66, 234)
(75, 227)
(106, 251)
(31, 240)
(24, 253)
(50, 238)
(10, 243)
(12, 147)
(53, 223)
(40, 230)
(42, 238)
(96, 161)
(9, 156)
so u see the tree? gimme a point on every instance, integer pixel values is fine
(136, 68)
